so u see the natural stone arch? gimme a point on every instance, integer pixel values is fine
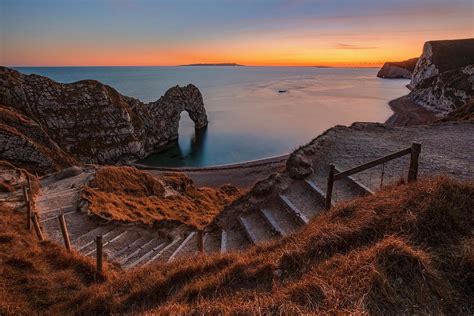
(94, 123)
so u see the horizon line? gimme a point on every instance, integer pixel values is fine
(190, 65)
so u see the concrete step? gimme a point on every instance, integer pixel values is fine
(152, 254)
(235, 239)
(77, 225)
(110, 239)
(256, 227)
(223, 247)
(89, 236)
(90, 247)
(50, 184)
(57, 201)
(186, 247)
(212, 241)
(358, 187)
(282, 222)
(319, 193)
(130, 247)
(165, 253)
(151, 245)
(54, 213)
(302, 218)
(120, 242)
(46, 196)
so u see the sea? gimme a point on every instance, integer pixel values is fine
(254, 112)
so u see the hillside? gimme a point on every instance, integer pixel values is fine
(130, 195)
(407, 249)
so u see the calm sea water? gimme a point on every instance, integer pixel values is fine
(248, 118)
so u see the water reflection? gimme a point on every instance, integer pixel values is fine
(188, 149)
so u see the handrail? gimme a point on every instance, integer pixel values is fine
(372, 164)
(414, 152)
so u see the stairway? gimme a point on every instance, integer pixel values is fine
(128, 245)
(133, 245)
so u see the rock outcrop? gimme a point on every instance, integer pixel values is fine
(443, 79)
(402, 69)
(52, 125)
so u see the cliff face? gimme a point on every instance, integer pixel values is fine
(443, 79)
(403, 69)
(87, 120)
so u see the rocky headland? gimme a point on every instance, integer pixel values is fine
(443, 80)
(46, 125)
(395, 70)
(442, 84)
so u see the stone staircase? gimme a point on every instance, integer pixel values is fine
(126, 244)
(132, 245)
(303, 200)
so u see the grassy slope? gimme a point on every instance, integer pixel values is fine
(128, 194)
(406, 249)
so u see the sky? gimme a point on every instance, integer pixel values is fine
(248, 32)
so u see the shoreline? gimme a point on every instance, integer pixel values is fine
(245, 174)
(408, 113)
(242, 175)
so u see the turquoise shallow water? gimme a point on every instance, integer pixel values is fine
(248, 118)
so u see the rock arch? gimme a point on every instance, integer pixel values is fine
(94, 123)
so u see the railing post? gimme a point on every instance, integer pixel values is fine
(28, 207)
(62, 224)
(99, 258)
(37, 226)
(414, 155)
(29, 185)
(329, 186)
(200, 241)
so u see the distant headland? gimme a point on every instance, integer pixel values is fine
(218, 64)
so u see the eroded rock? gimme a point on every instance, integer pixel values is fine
(88, 121)
(443, 79)
(299, 165)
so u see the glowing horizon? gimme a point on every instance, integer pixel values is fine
(362, 33)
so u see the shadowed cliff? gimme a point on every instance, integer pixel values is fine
(51, 125)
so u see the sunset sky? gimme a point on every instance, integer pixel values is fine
(264, 32)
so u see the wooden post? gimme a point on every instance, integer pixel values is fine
(62, 224)
(28, 207)
(29, 186)
(28, 214)
(37, 226)
(25, 193)
(99, 260)
(415, 153)
(330, 186)
(200, 241)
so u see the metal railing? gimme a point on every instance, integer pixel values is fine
(413, 151)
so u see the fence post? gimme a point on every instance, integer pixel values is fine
(200, 241)
(330, 186)
(99, 258)
(36, 224)
(28, 207)
(29, 185)
(62, 224)
(414, 155)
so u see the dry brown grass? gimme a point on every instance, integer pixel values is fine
(128, 194)
(405, 250)
(13, 178)
(35, 276)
